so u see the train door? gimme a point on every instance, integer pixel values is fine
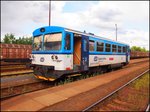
(77, 52)
(81, 52)
(85, 53)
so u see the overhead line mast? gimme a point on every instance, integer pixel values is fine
(116, 31)
(49, 12)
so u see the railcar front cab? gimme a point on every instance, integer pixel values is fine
(57, 51)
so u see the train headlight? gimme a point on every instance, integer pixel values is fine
(56, 57)
(52, 57)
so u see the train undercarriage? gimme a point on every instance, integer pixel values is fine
(48, 72)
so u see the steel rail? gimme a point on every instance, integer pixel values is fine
(10, 64)
(104, 98)
(147, 109)
(16, 74)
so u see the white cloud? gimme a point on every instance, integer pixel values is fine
(21, 18)
(132, 18)
(136, 38)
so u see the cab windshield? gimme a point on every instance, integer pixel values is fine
(37, 43)
(52, 41)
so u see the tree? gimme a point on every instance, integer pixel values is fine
(10, 39)
(144, 50)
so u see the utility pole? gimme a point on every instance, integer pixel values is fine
(116, 31)
(49, 12)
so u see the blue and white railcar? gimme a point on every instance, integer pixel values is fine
(59, 51)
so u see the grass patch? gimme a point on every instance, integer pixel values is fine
(143, 82)
(141, 85)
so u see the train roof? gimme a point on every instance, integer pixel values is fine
(79, 32)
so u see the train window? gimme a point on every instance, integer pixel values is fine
(100, 46)
(91, 45)
(114, 48)
(52, 41)
(85, 45)
(124, 49)
(107, 47)
(67, 40)
(119, 49)
(37, 43)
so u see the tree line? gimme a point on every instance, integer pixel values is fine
(136, 48)
(11, 39)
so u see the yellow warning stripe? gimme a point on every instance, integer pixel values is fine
(40, 77)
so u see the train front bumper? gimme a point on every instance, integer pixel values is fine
(44, 72)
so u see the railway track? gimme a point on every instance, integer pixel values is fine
(20, 85)
(16, 73)
(3, 64)
(14, 67)
(102, 100)
(24, 82)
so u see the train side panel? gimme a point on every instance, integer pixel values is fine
(100, 60)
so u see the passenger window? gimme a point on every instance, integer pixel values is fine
(68, 38)
(124, 49)
(107, 48)
(100, 46)
(119, 49)
(91, 45)
(114, 48)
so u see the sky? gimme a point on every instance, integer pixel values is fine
(99, 17)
